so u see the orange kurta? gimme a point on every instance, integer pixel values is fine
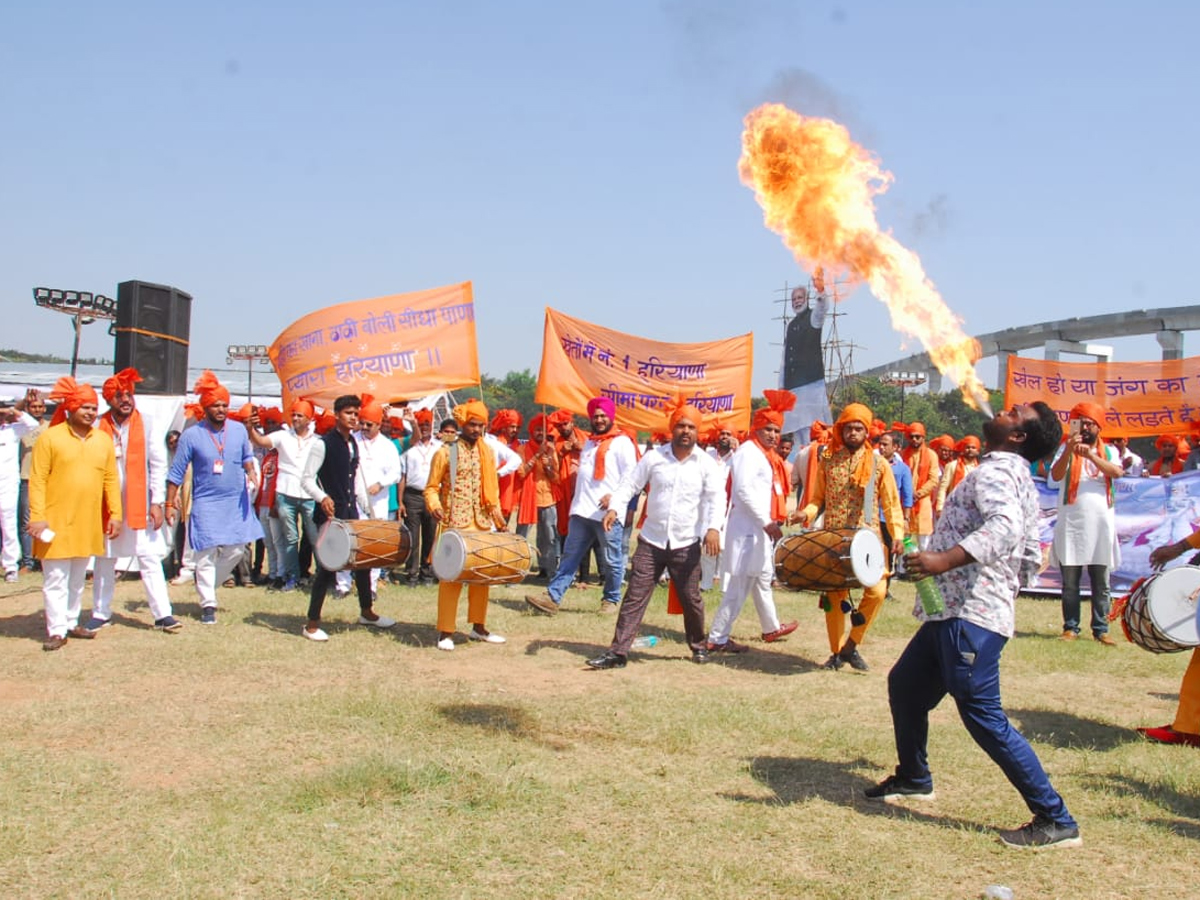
(71, 480)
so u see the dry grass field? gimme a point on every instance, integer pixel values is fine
(240, 760)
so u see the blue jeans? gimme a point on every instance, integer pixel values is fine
(1098, 578)
(581, 533)
(289, 508)
(959, 658)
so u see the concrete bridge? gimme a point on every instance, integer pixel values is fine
(1064, 336)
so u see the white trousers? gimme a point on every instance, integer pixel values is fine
(345, 580)
(737, 587)
(213, 567)
(154, 583)
(62, 593)
(10, 550)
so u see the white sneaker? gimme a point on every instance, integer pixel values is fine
(182, 579)
(446, 644)
(381, 622)
(318, 635)
(490, 638)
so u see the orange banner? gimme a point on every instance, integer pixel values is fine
(581, 361)
(398, 347)
(1140, 397)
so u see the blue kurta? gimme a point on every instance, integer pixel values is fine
(221, 510)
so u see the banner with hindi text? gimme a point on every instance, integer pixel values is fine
(1141, 398)
(398, 347)
(581, 360)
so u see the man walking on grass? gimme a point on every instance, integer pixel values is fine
(985, 546)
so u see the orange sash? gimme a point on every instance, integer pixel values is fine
(135, 468)
(779, 486)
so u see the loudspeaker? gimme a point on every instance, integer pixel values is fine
(153, 322)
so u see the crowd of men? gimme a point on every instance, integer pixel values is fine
(104, 487)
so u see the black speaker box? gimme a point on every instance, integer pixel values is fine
(152, 327)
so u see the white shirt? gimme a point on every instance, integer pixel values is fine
(293, 453)
(1136, 463)
(618, 462)
(415, 463)
(10, 447)
(1085, 532)
(686, 496)
(378, 463)
(507, 459)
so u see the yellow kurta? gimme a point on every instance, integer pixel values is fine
(70, 481)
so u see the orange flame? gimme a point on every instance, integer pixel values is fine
(817, 188)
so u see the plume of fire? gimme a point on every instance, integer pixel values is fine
(817, 188)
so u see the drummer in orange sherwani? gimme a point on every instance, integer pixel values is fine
(851, 482)
(463, 493)
(1186, 727)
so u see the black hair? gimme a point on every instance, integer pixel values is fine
(346, 401)
(448, 423)
(1042, 434)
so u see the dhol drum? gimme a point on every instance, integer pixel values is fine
(361, 544)
(1160, 614)
(830, 560)
(481, 557)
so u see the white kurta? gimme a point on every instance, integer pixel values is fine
(148, 542)
(748, 548)
(1085, 533)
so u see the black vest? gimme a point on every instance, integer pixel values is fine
(803, 358)
(336, 475)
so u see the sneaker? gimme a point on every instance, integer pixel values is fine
(377, 622)
(169, 624)
(183, 578)
(10, 577)
(445, 643)
(290, 585)
(543, 603)
(855, 661)
(208, 615)
(1040, 833)
(893, 787)
(317, 634)
(609, 608)
(95, 624)
(488, 637)
(834, 663)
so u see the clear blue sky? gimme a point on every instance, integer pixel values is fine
(274, 158)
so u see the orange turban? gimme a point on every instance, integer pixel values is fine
(560, 417)
(1093, 411)
(303, 407)
(242, 414)
(70, 395)
(325, 422)
(423, 416)
(878, 429)
(210, 390)
(371, 410)
(537, 423)
(503, 419)
(969, 441)
(681, 409)
(916, 428)
(472, 409)
(900, 427)
(1164, 441)
(818, 432)
(942, 440)
(778, 402)
(271, 414)
(861, 413)
(122, 382)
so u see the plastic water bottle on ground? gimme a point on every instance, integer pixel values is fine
(927, 589)
(998, 892)
(643, 641)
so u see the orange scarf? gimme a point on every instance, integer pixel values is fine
(961, 469)
(779, 482)
(921, 472)
(602, 441)
(135, 468)
(1176, 466)
(810, 471)
(1075, 471)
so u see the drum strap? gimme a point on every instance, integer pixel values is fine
(453, 454)
(869, 492)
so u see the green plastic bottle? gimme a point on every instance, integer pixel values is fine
(927, 589)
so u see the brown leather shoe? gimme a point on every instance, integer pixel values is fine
(1068, 636)
(54, 642)
(542, 603)
(82, 633)
(1105, 639)
(782, 631)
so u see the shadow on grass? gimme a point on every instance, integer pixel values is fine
(1037, 635)
(1062, 729)
(1170, 698)
(31, 626)
(800, 779)
(496, 718)
(293, 623)
(1161, 793)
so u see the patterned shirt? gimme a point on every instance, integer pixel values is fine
(843, 499)
(993, 514)
(465, 509)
